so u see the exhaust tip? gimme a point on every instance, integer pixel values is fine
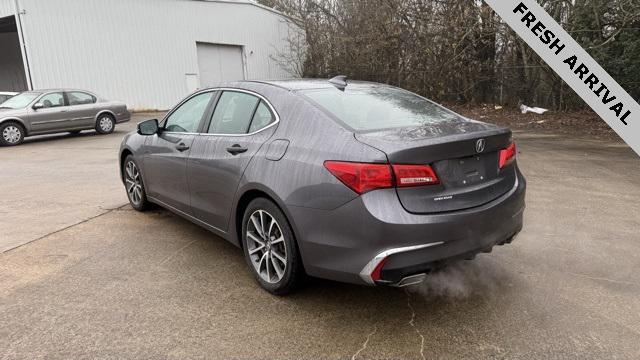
(411, 280)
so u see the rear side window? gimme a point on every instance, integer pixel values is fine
(80, 98)
(233, 113)
(262, 118)
(378, 107)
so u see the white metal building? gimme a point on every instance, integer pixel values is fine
(148, 53)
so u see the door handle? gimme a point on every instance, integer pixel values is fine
(236, 149)
(182, 147)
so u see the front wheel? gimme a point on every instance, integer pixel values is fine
(11, 133)
(270, 248)
(105, 124)
(134, 185)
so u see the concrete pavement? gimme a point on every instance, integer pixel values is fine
(103, 281)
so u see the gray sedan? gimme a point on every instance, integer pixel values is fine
(356, 182)
(53, 111)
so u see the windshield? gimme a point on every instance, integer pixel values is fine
(367, 108)
(19, 101)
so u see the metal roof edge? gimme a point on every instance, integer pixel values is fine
(256, 4)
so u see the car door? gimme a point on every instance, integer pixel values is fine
(166, 153)
(53, 116)
(82, 110)
(240, 124)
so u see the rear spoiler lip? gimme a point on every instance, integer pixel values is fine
(438, 148)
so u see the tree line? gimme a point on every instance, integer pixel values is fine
(456, 50)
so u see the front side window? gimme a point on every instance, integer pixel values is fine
(52, 100)
(80, 98)
(233, 113)
(366, 108)
(187, 117)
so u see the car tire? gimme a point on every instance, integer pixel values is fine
(11, 133)
(105, 124)
(270, 249)
(134, 185)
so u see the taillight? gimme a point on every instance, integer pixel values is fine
(414, 175)
(507, 155)
(363, 177)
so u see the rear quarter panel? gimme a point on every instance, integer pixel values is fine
(116, 108)
(299, 178)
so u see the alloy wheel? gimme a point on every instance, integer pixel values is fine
(106, 124)
(266, 246)
(12, 134)
(134, 183)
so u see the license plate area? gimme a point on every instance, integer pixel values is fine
(466, 171)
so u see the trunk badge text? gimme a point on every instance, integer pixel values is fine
(480, 145)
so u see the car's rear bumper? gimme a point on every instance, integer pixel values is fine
(347, 243)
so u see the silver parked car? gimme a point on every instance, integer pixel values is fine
(57, 110)
(359, 182)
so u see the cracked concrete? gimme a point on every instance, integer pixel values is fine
(366, 343)
(103, 281)
(413, 324)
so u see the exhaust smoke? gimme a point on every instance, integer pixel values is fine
(463, 279)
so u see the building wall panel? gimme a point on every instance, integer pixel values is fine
(142, 51)
(7, 8)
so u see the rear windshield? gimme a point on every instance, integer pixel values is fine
(379, 107)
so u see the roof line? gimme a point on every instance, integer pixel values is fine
(256, 4)
(267, 83)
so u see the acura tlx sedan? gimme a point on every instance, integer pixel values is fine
(356, 182)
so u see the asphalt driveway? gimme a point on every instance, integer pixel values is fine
(84, 276)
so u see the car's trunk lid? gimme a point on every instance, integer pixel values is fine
(464, 155)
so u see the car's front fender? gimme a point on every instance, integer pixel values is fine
(16, 119)
(132, 143)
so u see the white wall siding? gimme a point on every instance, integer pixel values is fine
(141, 51)
(7, 8)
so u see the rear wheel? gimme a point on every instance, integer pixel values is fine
(11, 133)
(105, 124)
(134, 185)
(270, 248)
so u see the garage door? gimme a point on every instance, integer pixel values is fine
(219, 63)
(12, 74)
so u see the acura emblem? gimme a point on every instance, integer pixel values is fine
(480, 144)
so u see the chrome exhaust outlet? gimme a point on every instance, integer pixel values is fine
(411, 280)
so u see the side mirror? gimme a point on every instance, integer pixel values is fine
(148, 127)
(38, 106)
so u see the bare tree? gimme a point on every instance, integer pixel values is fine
(455, 50)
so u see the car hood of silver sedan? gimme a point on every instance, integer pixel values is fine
(11, 112)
